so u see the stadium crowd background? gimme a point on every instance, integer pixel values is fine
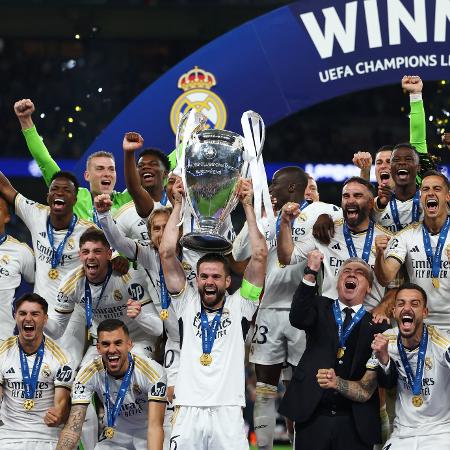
(83, 62)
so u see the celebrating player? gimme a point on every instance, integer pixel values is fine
(36, 378)
(132, 388)
(210, 384)
(420, 247)
(105, 294)
(16, 261)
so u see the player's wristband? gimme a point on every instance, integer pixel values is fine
(415, 97)
(250, 291)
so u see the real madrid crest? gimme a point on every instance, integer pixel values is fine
(428, 363)
(46, 372)
(196, 85)
(137, 389)
(186, 266)
(117, 295)
(70, 244)
(5, 259)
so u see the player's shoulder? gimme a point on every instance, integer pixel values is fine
(149, 368)
(21, 245)
(382, 230)
(90, 369)
(124, 208)
(70, 281)
(410, 229)
(56, 351)
(86, 223)
(31, 203)
(7, 344)
(438, 337)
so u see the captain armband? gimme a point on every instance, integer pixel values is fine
(250, 291)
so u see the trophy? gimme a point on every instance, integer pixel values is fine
(212, 161)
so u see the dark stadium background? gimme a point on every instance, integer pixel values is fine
(97, 55)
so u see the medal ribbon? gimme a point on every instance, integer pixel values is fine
(163, 200)
(435, 260)
(164, 293)
(344, 334)
(414, 381)
(57, 254)
(30, 382)
(209, 331)
(88, 297)
(367, 243)
(3, 238)
(301, 206)
(415, 210)
(113, 409)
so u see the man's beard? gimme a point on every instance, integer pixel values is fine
(363, 213)
(212, 303)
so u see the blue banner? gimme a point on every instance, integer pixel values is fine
(287, 60)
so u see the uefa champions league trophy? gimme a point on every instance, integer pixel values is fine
(212, 161)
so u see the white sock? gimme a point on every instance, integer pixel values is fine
(264, 415)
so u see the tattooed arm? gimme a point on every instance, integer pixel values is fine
(70, 435)
(357, 391)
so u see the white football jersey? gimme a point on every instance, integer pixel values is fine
(130, 223)
(282, 281)
(112, 304)
(385, 218)
(408, 248)
(16, 261)
(35, 217)
(223, 381)
(433, 416)
(56, 371)
(334, 256)
(148, 383)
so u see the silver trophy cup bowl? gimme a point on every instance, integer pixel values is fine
(213, 164)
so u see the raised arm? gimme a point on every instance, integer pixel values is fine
(385, 268)
(363, 160)
(70, 435)
(357, 391)
(285, 244)
(173, 270)
(142, 199)
(255, 271)
(24, 109)
(155, 431)
(6, 189)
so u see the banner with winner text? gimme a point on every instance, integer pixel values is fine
(291, 58)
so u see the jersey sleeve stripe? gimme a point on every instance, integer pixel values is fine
(89, 371)
(10, 342)
(122, 209)
(67, 287)
(57, 352)
(147, 370)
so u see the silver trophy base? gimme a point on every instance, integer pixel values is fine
(206, 242)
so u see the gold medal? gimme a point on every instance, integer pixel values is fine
(109, 432)
(53, 274)
(340, 352)
(435, 282)
(205, 359)
(164, 314)
(28, 405)
(417, 401)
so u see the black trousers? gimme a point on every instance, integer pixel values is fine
(329, 432)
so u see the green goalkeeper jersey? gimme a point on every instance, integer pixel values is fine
(84, 207)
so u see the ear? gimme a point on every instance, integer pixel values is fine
(425, 312)
(110, 253)
(129, 344)
(86, 175)
(98, 347)
(228, 281)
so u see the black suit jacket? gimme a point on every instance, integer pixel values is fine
(314, 314)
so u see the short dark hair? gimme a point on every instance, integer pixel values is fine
(68, 176)
(112, 325)
(410, 147)
(32, 298)
(362, 181)
(383, 148)
(413, 287)
(435, 173)
(215, 257)
(153, 151)
(93, 234)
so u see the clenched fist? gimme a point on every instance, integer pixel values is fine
(413, 84)
(132, 141)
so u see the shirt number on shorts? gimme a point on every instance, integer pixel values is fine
(262, 330)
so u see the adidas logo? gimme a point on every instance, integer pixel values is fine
(11, 370)
(386, 217)
(141, 223)
(43, 234)
(336, 246)
(415, 249)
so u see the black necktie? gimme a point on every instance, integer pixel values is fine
(348, 316)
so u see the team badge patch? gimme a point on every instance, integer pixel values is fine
(196, 85)
(137, 389)
(428, 363)
(46, 372)
(70, 244)
(117, 295)
(5, 259)
(186, 266)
